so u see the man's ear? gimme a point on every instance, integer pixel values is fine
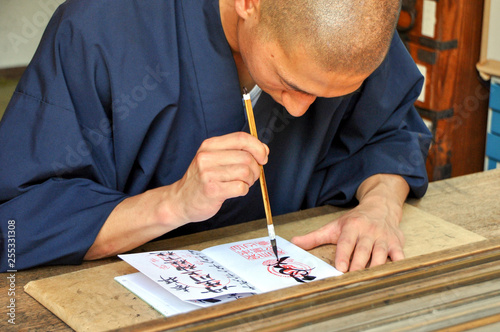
(247, 8)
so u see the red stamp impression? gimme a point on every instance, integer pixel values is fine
(254, 250)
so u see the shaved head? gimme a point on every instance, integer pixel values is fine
(350, 36)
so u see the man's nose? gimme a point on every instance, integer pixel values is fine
(297, 103)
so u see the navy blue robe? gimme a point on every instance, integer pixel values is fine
(120, 95)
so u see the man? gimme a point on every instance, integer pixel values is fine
(128, 125)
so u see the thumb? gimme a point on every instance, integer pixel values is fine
(323, 235)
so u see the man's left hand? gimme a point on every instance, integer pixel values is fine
(370, 232)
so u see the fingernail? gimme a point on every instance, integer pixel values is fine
(342, 267)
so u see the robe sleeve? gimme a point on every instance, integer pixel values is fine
(381, 133)
(57, 169)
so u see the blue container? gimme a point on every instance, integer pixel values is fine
(495, 96)
(492, 164)
(495, 121)
(493, 146)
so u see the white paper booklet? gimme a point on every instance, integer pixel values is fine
(179, 281)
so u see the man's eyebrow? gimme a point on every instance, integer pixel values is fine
(294, 87)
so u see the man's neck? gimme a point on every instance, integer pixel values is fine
(243, 74)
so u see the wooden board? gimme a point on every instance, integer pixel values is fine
(90, 300)
(468, 201)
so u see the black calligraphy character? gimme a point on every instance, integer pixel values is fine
(169, 280)
(163, 254)
(211, 301)
(180, 287)
(235, 296)
(300, 275)
(197, 277)
(212, 288)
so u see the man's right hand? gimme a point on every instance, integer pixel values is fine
(224, 167)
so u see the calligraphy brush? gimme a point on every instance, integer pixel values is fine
(263, 185)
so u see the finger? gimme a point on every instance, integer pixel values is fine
(234, 189)
(325, 235)
(214, 180)
(217, 191)
(345, 247)
(235, 163)
(379, 254)
(238, 141)
(396, 253)
(241, 172)
(225, 157)
(362, 254)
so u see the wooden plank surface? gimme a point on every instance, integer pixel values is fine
(471, 202)
(104, 304)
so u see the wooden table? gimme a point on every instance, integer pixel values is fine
(471, 202)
